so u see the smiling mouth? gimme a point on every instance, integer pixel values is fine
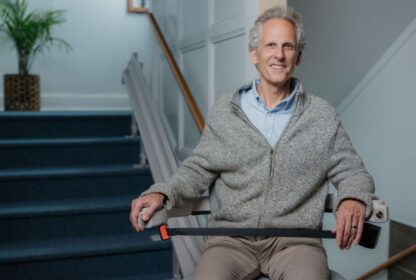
(277, 66)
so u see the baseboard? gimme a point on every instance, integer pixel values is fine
(81, 102)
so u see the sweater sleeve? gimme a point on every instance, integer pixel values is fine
(347, 172)
(194, 176)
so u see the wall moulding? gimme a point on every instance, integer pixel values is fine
(228, 36)
(193, 42)
(228, 24)
(74, 101)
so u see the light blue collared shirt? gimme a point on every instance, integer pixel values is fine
(270, 122)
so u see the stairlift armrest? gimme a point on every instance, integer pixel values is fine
(380, 213)
(160, 217)
(201, 206)
(198, 207)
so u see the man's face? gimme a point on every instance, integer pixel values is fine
(276, 56)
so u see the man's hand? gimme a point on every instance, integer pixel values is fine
(350, 223)
(151, 201)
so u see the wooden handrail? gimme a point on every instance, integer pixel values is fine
(403, 254)
(187, 94)
(193, 107)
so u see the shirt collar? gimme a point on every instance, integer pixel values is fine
(284, 105)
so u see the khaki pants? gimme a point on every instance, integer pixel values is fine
(238, 258)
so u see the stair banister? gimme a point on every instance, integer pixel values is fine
(187, 94)
(391, 261)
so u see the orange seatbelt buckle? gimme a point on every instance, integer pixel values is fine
(164, 233)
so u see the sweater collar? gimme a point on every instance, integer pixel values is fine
(300, 95)
(286, 104)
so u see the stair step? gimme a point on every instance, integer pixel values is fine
(32, 185)
(62, 219)
(147, 276)
(63, 141)
(104, 257)
(18, 252)
(68, 152)
(59, 172)
(64, 124)
(64, 207)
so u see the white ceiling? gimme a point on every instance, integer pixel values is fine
(344, 39)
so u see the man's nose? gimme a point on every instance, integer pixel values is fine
(279, 53)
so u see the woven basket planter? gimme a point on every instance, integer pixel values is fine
(21, 92)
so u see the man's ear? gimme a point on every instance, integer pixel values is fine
(299, 58)
(253, 56)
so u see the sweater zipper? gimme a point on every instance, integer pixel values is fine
(269, 184)
(271, 173)
(272, 151)
(271, 164)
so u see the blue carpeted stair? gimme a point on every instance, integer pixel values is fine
(66, 183)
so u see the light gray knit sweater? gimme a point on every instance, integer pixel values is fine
(259, 186)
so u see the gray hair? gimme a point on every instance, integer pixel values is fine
(288, 14)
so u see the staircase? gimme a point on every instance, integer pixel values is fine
(66, 183)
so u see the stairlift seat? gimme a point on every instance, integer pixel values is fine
(332, 276)
(203, 206)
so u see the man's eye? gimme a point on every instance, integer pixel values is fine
(289, 46)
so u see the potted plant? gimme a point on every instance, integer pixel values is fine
(30, 34)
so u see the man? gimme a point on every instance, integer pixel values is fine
(270, 150)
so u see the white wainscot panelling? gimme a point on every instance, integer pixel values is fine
(195, 69)
(229, 64)
(195, 16)
(224, 10)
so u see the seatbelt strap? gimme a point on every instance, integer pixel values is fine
(369, 237)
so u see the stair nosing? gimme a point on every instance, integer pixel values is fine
(53, 249)
(69, 141)
(63, 172)
(53, 208)
(161, 276)
(65, 114)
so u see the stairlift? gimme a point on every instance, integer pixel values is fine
(203, 206)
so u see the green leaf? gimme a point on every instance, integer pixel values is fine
(30, 32)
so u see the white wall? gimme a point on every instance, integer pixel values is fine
(379, 117)
(348, 62)
(344, 39)
(103, 36)
(211, 45)
(209, 40)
